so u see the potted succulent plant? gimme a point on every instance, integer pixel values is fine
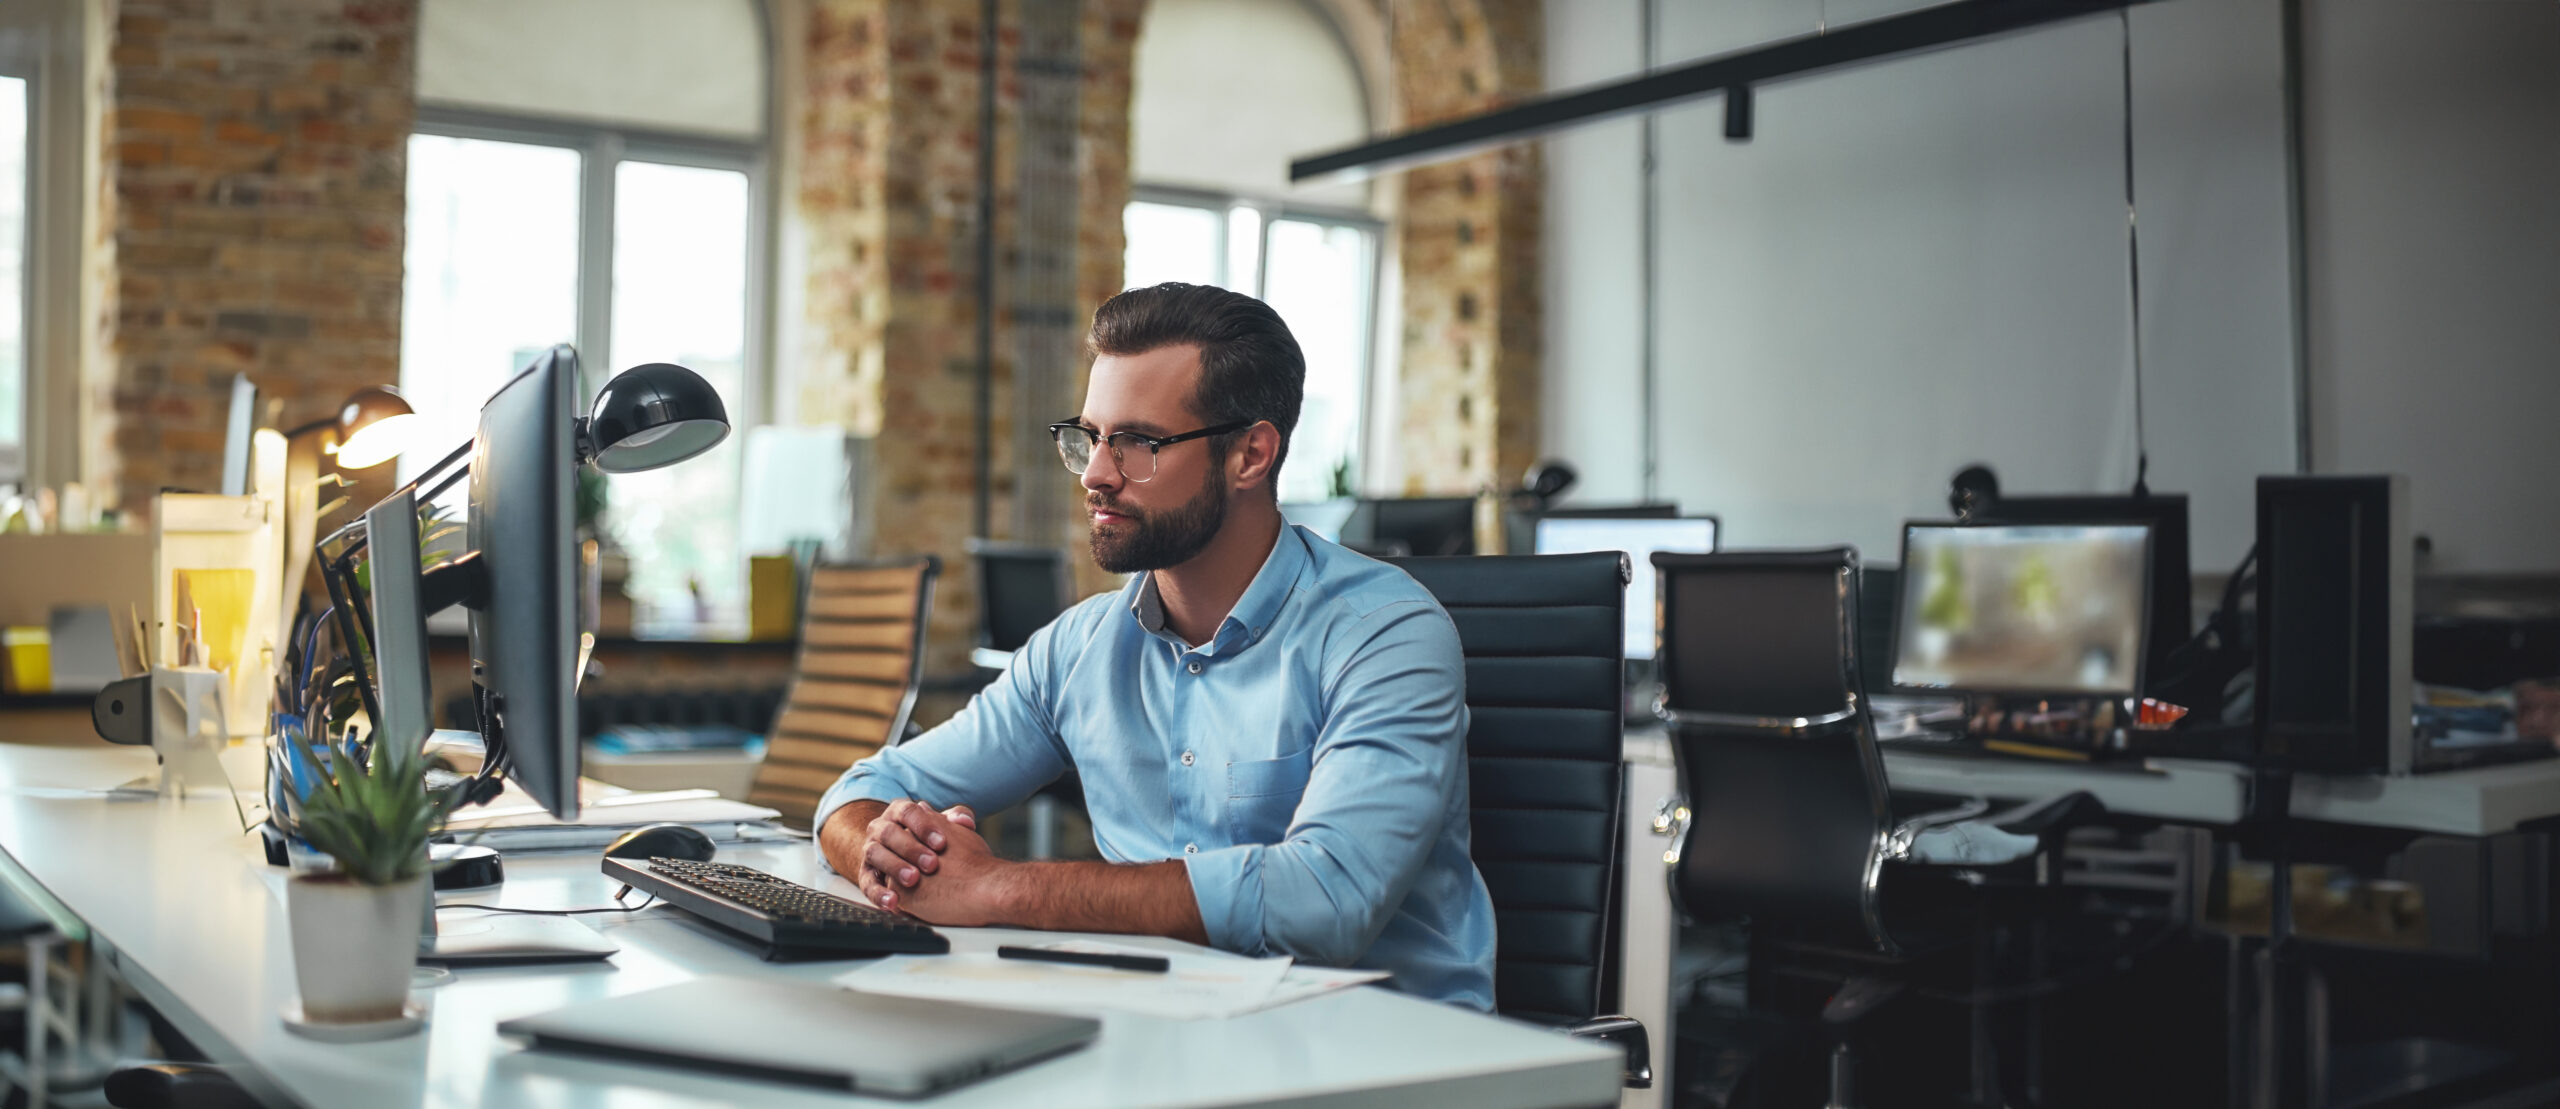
(355, 927)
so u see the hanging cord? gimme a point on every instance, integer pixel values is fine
(2133, 270)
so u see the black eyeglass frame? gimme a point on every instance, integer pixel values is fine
(1154, 443)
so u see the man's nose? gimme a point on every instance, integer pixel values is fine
(1102, 473)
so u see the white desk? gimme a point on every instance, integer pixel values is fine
(185, 908)
(2481, 801)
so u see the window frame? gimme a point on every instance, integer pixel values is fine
(1270, 211)
(602, 149)
(13, 450)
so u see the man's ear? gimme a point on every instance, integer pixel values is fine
(1256, 451)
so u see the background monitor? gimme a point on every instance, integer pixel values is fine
(2023, 609)
(1639, 537)
(524, 634)
(1324, 518)
(1022, 589)
(238, 430)
(2172, 612)
(399, 621)
(1520, 527)
(1413, 526)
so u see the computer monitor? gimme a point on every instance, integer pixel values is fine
(524, 633)
(1324, 518)
(1520, 528)
(2172, 615)
(399, 621)
(2054, 610)
(1413, 525)
(237, 433)
(1639, 537)
(1021, 589)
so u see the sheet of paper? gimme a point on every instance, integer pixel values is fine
(1303, 982)
(1197, 987)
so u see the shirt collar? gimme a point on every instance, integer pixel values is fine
(1253, 612)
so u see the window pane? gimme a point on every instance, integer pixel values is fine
(492, 277)
(1318, 279)
(1244, 250)
(13, 269)
(1170, 242)
(680, 295)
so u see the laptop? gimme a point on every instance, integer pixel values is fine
(811, 1033)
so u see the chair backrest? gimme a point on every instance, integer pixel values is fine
(1545, 649)
(861, 660)
(1020, 590)
(1769, 724)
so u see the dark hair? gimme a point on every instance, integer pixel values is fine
(1250, 367)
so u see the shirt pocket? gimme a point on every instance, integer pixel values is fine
(1262, 796)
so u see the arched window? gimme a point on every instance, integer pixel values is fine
(1211, 142)
(593, 171)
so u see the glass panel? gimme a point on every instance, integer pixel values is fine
(680, 295)
(492, 277)
(1169, 242)
(13, 269)
(1244, 250)
(1318, 280)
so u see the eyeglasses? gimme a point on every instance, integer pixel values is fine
(1076, 442)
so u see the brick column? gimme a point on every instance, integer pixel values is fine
(256, 186)
(886, 198)
(1469, 249)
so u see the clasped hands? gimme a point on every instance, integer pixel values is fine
(932, 865)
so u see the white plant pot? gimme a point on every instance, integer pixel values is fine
(353, 946)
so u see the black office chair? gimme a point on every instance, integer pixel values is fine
(1788, 822)
(1544, 647)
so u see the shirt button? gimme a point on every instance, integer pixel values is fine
(1195, 668)
(1190, 849)
(1186, 758)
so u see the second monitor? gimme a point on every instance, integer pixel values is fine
(1640, 538)
(2019, 609)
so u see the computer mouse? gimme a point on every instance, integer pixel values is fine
(662, 841)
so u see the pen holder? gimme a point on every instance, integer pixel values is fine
(188, 727)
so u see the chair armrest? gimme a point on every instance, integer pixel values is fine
(176, 1086)
(1629, 1034)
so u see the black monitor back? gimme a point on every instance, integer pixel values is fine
(1422, 526)
(1021, 589)
(2172, 576)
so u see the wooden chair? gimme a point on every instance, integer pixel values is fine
(861, 660)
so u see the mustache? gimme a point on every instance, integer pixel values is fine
(1096, 502)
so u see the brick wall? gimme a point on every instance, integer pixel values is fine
(256, 190)
(1468, 388)
(886, 200)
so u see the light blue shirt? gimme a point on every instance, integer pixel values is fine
(1307, 765)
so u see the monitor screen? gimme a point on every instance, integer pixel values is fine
(1639, 538)
(2023, 609)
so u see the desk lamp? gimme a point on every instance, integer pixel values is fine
(371, 427)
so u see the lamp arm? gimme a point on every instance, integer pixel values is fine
(354, 529)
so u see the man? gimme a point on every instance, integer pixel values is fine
(1270, 729)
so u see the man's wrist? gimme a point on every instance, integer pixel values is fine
(1003, 893)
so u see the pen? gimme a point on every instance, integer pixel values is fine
(1153, 964)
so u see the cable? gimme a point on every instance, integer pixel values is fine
(653, 899)
(2133, 270)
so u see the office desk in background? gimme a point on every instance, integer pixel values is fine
(181, 904)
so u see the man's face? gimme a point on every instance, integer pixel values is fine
(1170, 517)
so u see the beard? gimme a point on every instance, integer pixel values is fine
(1157, 540)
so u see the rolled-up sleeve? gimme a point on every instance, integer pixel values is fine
(1389, 762)
(998, 750)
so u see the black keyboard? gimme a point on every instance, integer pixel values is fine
(790, 920)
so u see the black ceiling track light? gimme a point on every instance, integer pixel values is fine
(1732, 74)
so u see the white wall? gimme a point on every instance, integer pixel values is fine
(2432, 150)
(1920, 263)
(1227, 91)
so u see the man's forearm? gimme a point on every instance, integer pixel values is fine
(842, 838)
(1152, 899)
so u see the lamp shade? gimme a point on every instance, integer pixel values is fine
(374, 426)
(653, 415)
